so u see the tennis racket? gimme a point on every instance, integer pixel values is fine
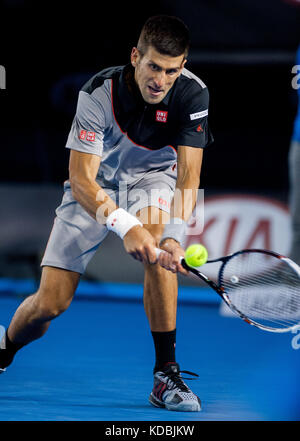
(260, 286)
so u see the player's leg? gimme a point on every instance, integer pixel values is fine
(34, 315)
(160, 286)
(74, 240)
(32, 318)
(160, 294)
(160, 302)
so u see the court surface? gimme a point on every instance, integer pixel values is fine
(95, 364)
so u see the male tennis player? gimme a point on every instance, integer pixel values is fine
(143, 125)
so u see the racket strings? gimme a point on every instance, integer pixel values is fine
(264, 288)
(279, 305)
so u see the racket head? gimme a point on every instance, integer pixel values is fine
(263, 288)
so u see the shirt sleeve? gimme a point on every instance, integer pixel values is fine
(87, 130)
(194, 130)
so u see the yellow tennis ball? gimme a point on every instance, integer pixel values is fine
(196, 255)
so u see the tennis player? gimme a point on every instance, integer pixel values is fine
(143, 126)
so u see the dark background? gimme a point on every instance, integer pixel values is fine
(243, 50)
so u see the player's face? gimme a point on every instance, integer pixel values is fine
(155, 73)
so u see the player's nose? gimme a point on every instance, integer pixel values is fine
(160, 80)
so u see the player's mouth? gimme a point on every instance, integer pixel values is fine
(154, 91)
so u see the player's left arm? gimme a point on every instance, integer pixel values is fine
(189, 163)
(192, 136)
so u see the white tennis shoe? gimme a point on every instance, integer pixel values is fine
(170, 391)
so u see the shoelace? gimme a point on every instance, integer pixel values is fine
(176, 379)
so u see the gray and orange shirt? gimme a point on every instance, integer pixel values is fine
(135, 139)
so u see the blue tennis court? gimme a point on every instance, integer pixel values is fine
(95, 364)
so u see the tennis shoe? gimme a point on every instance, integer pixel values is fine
(170, 391)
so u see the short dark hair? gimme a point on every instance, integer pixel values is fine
(167, 34)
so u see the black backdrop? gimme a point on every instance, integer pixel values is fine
(243, 50)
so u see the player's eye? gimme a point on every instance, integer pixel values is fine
(172, 71)
(154, 67)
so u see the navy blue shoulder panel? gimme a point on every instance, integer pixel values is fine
(98, 79)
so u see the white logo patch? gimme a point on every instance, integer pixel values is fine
(198, 115)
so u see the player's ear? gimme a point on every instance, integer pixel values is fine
(134, 56)
(183, 63)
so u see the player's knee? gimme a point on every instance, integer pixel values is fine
(53, 310)
(50, 305)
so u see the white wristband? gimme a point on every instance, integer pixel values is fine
(120, 222)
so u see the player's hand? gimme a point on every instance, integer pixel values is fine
(140, 244)
(171, 259)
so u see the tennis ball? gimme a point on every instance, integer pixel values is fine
(195, 255)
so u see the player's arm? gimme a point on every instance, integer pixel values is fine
(189, 164)
(83, 168)
(192, 136)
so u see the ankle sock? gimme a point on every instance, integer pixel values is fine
(8, 350)
(164, 343)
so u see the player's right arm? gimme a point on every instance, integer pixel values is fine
(83, 168)
(85, 142)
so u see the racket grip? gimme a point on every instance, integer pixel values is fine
(158, 251)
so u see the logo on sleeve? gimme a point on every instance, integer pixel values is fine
(161, 116)
(89, 136)
(198, 115)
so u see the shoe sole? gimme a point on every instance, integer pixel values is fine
(188, 406)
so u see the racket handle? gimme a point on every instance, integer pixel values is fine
(159, 251)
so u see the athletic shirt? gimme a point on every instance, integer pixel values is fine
(133, 138)
(296, 132)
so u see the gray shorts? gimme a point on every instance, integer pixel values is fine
(76, 236)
